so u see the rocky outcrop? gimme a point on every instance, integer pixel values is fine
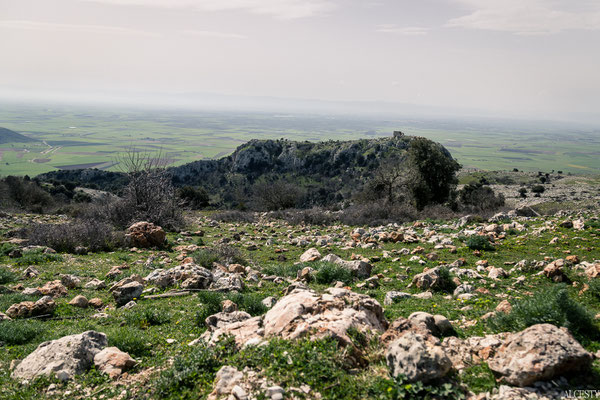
(113, 362)
(64, 358)
(26, 309)
(190, 276)
(145, 234)
(126, 290)
(304, 313)
(539, 352)
(418, 357)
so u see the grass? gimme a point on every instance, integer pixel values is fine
(328, 273)
(37, 257)
(7, 276)
(211, 303)
(551, 305)
(143, 330)
(477, 242)
(19, 332)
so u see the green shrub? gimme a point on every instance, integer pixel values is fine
(477, 242)
(95, 236)
(129, 340)
(328, 273)
(210, 303)
(19, 332)
(538, 189)
(6, 248)
(205, 257)
(194, 371)
(249, 302)
(445, 283)
(143, 318)
(7, 276)
(221, 254)
(37, 257)
(290, 271)
(321, 364)
(402, 389)
(552, 305)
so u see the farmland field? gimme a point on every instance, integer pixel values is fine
(79, 137)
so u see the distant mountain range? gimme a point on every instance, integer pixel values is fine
(8, 136)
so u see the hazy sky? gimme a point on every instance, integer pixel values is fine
(525, 57)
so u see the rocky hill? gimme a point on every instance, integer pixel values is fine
(8, 136)
(321, 172)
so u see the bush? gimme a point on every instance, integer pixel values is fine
(193, 197)
(23, 194)
(313, 216)
(289, 271)
(7, 276)
(378, 213)
(130, 340)
(19, 332)
(194, 371)
(210, 303)
(433, 172)
(277, 195)
(220, 254)
(446, 284)
(6, 248)
(235, 216)
(205, 257)
(328, 273)
(93, 235)
(538, 189)
(548, 306)
(143, 318)
(480, 198)
(37, 257)
(477, 242)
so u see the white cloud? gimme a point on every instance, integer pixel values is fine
(282, 9)
(409, 30)
(529, 17)
(214, 34)
(56, 27)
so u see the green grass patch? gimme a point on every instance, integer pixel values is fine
(551, 305)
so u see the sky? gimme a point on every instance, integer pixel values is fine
(525, 58)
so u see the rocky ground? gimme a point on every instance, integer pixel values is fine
(506, 308)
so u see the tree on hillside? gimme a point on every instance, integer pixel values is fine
(149, 195)
(432, 178)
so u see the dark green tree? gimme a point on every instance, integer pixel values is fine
(433, 172)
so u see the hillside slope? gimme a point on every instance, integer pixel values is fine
(321, 172)
(8, 136)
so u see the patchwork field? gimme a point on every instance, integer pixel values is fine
(70, 137)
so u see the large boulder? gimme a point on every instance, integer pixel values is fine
(428, 279)
(113, 362)
(145, 234)
(305, 313)
(418, 357)
(65, 357)
(190, 276)
(359, 268)
(539, 352)
(123, 294)
(54, 289)
(309, 255)
(25, 309)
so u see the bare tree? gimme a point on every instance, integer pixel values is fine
(150, 194)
